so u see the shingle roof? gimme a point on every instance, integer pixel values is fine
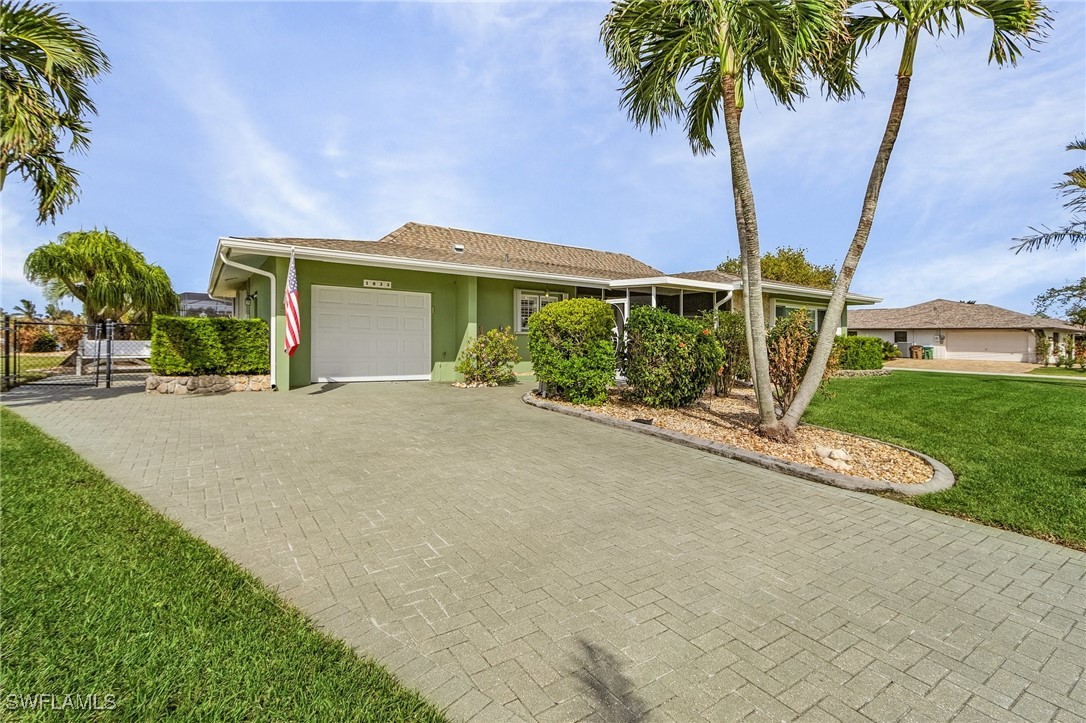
(710, 275)
(436, 243)
(943, 314)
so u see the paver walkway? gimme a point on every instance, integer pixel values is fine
(513, 563)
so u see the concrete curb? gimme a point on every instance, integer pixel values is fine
(942, 477)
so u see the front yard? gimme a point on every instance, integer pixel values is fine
(103, 596)
(1015, 445)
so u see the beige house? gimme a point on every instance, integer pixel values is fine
(961, 330)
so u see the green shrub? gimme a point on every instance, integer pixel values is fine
(791, 345)
(730, 331)
(890, 350)
(669, 360)
(488, 359)
(1044, 348)
(859, 352)
(213, 345)
(42, 341)
(572, 347)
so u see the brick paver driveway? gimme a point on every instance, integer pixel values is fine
(515, 563)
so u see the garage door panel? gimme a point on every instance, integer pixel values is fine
(992, 345)
(370, 334)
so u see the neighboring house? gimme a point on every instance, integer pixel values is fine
(961, 330)
(193, 303)
(403, 307)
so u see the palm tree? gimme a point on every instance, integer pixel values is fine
(1074, 232)
(27, 309)
(1016, 25)
(46, 59)
(111, 278)
(690, 60)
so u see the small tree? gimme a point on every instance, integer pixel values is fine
(1068, 301)
(488, 359)
(1043, 348)
(791, 346)
(110, 277)
(788, 265)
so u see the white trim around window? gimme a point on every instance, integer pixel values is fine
(817, 313)
(528, 301)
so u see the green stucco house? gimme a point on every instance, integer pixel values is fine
(403, 307)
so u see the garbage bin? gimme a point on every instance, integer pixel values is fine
(929, 352)
(916, 352)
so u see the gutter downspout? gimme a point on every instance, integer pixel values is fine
(271, 312)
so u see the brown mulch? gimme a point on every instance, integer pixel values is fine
(732, 420)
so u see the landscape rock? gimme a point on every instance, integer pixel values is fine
(840, 454)
(824, 452)
(208, 384)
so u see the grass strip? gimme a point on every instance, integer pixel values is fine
(102, 595)
(1015, 444)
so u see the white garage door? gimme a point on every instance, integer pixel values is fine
(991, 345)
(364, 335)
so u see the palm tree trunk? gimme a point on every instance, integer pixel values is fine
(813, 378)
(750, 252)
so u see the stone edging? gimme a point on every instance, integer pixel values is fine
(208, 384)
(853, 373)
(942, 477)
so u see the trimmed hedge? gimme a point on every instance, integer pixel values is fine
(214, 345)
(670, 360)
(573, 350)
(859, 352)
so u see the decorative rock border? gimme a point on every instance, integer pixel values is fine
(209, 384)
(847, 373)
(942, 477)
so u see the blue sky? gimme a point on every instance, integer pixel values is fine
(349, 119)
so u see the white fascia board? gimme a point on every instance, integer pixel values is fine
(399, 262)
(675, 282)
(823, 293)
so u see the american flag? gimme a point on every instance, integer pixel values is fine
(290, 306)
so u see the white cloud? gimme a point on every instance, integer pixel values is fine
(263, 183)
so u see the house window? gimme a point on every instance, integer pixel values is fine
(901, 337)
(817, 316)
(529, 302)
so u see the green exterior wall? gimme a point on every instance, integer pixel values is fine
(461, 308)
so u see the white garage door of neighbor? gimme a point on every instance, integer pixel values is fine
(370, 335)
(991, 345)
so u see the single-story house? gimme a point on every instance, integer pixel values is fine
(404, 306)
(963, 330)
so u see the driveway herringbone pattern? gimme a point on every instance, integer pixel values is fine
(517, 564)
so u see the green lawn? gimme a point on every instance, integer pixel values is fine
(1060, 372)
(102, 595)
(1017, 446)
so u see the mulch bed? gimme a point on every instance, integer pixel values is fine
(733, 420)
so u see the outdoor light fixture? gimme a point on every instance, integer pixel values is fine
(249, 299)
